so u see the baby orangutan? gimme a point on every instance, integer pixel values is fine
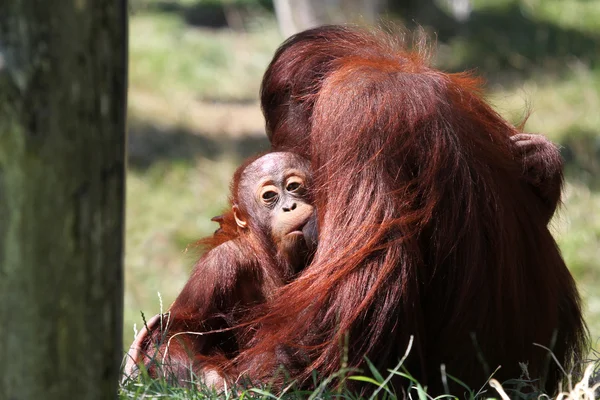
(264, 240)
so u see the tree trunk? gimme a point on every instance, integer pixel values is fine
(294, 16)
(415, 13)
(62, 155)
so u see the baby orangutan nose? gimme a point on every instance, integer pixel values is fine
(290, 208)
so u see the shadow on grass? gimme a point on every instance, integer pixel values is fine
(210, 14)
(505, 43)
(581, 152)
(149, 144)
(510, 40)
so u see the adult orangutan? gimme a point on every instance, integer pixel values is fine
(432, 222)
(263, 242)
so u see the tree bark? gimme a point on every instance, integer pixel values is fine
(294, 16)
(416, 13)
(62, 155)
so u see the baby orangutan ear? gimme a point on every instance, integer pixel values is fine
(238, 218)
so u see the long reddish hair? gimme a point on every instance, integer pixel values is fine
(425, 227)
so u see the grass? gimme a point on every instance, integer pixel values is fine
(376, 385)
(194, 116)
(167, 56)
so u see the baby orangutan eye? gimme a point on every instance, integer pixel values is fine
(269, 196)
(294, 184)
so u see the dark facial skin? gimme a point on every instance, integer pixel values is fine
(273, 189)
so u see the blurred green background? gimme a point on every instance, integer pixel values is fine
(195, 70)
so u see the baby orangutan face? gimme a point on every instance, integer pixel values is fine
(272, 198)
